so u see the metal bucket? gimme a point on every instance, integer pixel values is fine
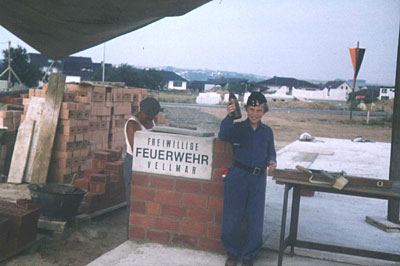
(56, 201)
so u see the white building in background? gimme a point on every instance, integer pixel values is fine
(386, 93)
(176, 85)
(208, 98)
(338, 90)
(332, 91)
(173, 81)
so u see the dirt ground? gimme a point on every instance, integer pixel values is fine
(82, 244)
(287, 126)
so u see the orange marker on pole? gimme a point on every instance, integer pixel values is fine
(357, 55)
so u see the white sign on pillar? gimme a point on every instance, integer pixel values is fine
(173, 154)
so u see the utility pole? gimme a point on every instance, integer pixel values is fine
(104, 62)
(9, 66)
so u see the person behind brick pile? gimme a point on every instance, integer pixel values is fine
(245, 184)
(143, 120)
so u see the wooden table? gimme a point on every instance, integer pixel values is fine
(297, 185)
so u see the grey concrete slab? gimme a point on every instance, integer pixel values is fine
(132, 253)
(332, 218)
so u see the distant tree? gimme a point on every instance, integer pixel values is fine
(133, 77)
(30, 74)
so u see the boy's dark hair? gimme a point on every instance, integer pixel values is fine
(150, 106)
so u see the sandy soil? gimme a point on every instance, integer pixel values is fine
(82, 244)
(288, 126)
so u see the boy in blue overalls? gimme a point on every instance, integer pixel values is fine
(244, 186)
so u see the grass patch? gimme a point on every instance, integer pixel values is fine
(381, 122)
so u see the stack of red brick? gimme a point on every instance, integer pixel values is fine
(176, 210)
(12, 99)
(124, 100)
(104, 182)
(18, 226)
(71, 143)
(92, 117)
(10, 119)
(99, 114)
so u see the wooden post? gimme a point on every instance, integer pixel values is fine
(369, 107)
(353, 96)
(394, 173)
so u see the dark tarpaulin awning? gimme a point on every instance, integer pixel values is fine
(60, 28)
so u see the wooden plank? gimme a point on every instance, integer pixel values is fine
(107, 210)
(383, 193)
(25, 141)
(85, 218)
(47, 129)
(353, 180)
(382, 224)
(81, 218)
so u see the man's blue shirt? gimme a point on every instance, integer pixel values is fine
(251, 147)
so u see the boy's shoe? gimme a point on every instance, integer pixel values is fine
(247, 263)
(231, 261)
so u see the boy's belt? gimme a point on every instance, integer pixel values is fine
(251, 170)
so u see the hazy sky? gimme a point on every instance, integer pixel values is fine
(306, 39)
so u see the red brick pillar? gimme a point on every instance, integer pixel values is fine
(183, 211)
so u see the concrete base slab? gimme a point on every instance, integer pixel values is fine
(332, 218)
(132, 253)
